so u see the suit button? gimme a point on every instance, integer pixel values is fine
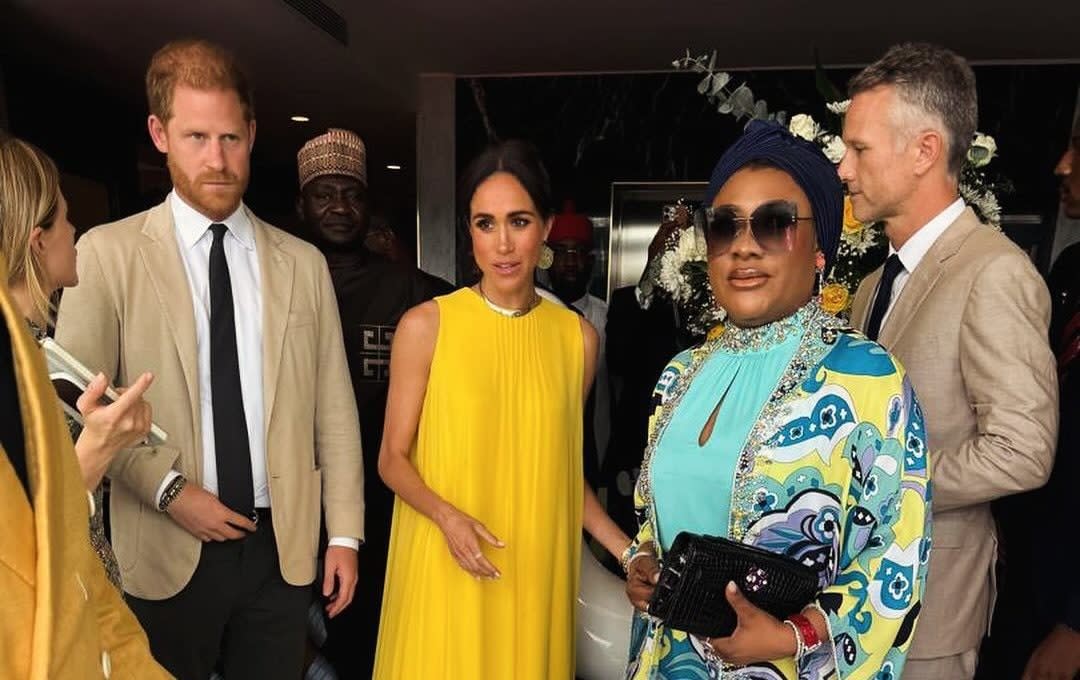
(106, 664)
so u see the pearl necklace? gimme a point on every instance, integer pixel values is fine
(512, 313)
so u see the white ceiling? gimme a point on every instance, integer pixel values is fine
(370, 85)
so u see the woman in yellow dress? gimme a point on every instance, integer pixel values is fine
(483, 447)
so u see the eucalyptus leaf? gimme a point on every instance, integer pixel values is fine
(743, 101)
(718, 82)
(712, 62)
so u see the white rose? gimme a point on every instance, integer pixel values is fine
(839, 108)
(983, 148)
(804, 126)
(834, 148)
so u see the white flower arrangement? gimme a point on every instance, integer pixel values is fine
(983, 202)
(839, 108)
(834, 148)
(804, 126)
(982, 150)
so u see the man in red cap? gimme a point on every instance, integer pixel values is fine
(571, 241)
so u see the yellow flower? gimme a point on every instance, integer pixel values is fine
(851, 225)
(834, 298)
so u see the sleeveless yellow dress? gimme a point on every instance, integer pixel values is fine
(500, 438)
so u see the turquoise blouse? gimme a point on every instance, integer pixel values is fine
(692, 480)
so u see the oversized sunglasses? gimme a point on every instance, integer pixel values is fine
(772, 225)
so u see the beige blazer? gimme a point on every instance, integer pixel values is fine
(59, 615)
(970, 327)
(132, 312)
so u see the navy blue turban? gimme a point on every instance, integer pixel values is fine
(770, 143)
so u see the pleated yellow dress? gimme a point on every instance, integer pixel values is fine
(499, 437)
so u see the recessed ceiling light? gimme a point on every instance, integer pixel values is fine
(299, 119)
(393, 167)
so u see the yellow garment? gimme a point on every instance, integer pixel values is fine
(500, 438)
(60, 618)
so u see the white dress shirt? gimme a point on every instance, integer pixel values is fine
(194, 238)
(916, 247)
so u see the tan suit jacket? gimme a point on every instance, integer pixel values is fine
(970, 327)
(59, 615)
(132, 312)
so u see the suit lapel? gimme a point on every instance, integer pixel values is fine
(165, 268)
(864, 296)
(276, 283)
(925, 276)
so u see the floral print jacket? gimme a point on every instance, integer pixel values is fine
(835, 473)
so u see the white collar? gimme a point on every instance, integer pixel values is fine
(193, 225)
(916, 247)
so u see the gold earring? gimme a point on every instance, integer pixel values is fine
(547, 257)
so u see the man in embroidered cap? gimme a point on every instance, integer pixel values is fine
(372, 294)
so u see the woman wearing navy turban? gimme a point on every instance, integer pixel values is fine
(789, 432)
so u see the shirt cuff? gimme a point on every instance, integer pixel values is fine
(345, 542)
(173, 474)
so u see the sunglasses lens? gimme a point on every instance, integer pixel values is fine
(774, 226)
(720, 229)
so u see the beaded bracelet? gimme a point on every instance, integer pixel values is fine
(171, 492)
(632, 552)
(627, 555)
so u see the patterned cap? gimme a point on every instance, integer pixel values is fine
(338, 152)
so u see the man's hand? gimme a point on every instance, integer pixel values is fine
(339, 578)
(1057, 657)
(206, 518)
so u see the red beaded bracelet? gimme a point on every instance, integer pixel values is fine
(807, 632)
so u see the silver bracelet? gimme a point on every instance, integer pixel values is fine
(800, 646)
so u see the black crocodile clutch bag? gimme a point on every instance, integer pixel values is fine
(690, 593)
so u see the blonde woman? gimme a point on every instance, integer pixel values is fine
(38, 242)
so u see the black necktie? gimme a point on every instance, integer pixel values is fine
(893, 267)
(233, 453)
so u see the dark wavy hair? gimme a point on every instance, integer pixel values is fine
(515, 157)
